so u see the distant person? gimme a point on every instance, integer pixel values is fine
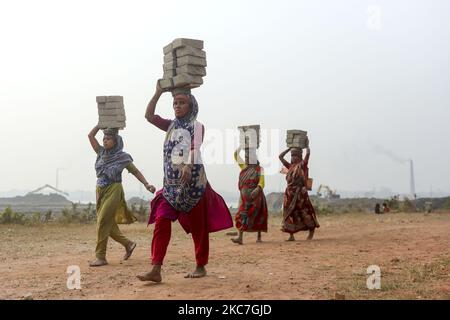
(386, 208)
(298, 211)
(111, 206)
(377, 208)
(186, 195)
(252, 213)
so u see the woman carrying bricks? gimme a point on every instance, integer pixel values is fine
(111, 206)
(186, 195)
(298, 211)
(252, 212)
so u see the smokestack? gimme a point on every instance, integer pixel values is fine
(412, 183)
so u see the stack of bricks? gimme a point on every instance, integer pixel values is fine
(111, 112)
(184, 64)
(249, 137)
(296, 139)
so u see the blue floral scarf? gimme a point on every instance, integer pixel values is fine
(110, 164)
(177, 153)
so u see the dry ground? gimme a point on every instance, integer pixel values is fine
(412, 250)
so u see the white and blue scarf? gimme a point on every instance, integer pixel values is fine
(177, 147)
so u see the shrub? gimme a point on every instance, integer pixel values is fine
(407, 206)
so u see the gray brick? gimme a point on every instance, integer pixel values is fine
(114, 99)
(169, 74)
(186, 79)
(192, 70)
(110, 105)
(183, 42)
(112, 118)
(184, 51)
(166, 83)
(167, 48)
(294, 132)
(191, 60)
(111, 112)
(118, 125)
(100, 99)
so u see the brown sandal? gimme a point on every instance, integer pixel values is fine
(129, 251)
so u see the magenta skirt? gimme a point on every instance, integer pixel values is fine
(214, 207)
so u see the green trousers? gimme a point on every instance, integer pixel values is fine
(111, 208)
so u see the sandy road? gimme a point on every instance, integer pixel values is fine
(412, 250)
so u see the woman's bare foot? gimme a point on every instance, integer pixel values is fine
(199, 272)
(291, 238)
(237, 240)
(259, 237)
(154, 275)
(311, 234)
(98, 263)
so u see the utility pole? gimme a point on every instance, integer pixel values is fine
(57, 177)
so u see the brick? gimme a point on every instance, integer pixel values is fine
(110, 105)
(114, 99)
(169, 74)
(167, 48)
(256, 127)
(191, 60)
(192, 70)
(111, 112)
(186, 79)
(100, 99)
(112, 118)
(165, 83)
(184, 51)
(186, 60)
(296, 145)
(117, 125)
(294, 132)
(183, 42)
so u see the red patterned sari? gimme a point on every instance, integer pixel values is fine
(252, 213)
(298, 211)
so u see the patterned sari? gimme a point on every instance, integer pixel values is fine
(298, 211)
(252, 213)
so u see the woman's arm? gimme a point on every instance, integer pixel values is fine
(150, 111)
(238, 159)
(308, 151)
(94, 142)
(142, 179)
(135, 171)
(283, 161)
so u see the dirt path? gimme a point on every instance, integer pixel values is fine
(412, 250)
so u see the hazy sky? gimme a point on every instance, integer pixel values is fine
(364, 78)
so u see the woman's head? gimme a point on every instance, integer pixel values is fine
(296, 155)
(109, 139)
(181, 105)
